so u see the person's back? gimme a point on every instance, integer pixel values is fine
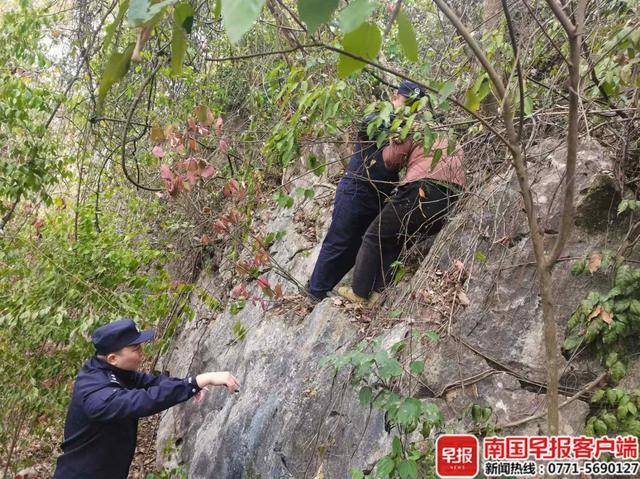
(411, 155)
(367, 166)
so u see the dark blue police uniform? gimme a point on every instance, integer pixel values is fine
(360, 197)
(102, 421)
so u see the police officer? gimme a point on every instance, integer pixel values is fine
(360, 196)
(109, 396)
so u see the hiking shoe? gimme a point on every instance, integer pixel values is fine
(347, 293)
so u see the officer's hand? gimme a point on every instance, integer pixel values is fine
(222, 378)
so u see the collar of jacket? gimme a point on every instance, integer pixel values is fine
(96, 363)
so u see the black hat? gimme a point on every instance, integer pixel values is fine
(409, 89)
(118, 334)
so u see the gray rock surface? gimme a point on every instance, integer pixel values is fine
(294, 418)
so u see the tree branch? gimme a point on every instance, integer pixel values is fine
(123, 146)
(516, 55)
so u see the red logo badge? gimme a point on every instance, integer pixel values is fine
(457, 456)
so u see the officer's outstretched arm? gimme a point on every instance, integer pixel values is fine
(144, 380)
(116, 402)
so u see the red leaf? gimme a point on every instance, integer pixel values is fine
(208, 171)
(158, 152)
(262, 258)
(218, 127)
(233, 216)
(165, 172)
(243, 267)
(191, 123)
(277, 291)
(224, 147)
(191, 164)
(205, 240)
(191, 177)
(220, 227)
(230, 188)
(239, 291)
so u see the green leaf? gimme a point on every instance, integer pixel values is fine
(390, 368)
(365, 42)
(445, 91)
(622, 412)
(628, 204)
(396, 447)
(217, 9)
(355, 14)
(477, 93)
(617, 371)
(600, 427)
(428, 140)
(239, 331)
(416, 367)
(385, 467)
(115, 69)
(356, 473)
(409, 411)
(407, 36)
(316, 12)
(436, 158)
(471, 101)
(315, 165)
(610, 420)
(113, 27)
(365, 396)
(571, 343)
(141, 11)
(432, 335)
(408, 469)
(480, 257)
(597, 396)
(451, 141)
(239, 15)
(578, 267)
(182, 22)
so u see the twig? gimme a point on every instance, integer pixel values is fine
(541, 414)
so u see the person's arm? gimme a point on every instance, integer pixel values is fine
(144, 380)
(116, 402)
(113, 401)
(396, 155)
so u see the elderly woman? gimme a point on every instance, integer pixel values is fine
(418, 208)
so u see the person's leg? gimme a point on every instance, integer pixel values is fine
(380, 244)
(418, 208)
(354, 209)
(426, 216)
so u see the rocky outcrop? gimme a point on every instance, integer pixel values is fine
(294, 418)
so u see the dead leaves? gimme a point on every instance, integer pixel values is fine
(595, 260)
(600, 312)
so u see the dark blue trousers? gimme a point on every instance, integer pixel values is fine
(356, 205)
